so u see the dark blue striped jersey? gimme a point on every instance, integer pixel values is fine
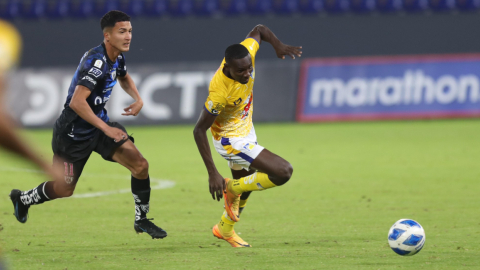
(99, 74)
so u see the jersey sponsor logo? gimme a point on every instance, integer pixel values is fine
(99, 100)
(95, 72)
(246, 110)
(98, 64)
(238, 101)
(90, 79)
(107, 89)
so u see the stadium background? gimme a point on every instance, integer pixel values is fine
(352, 181)
(177, 46)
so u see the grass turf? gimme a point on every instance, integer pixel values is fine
(351, 182)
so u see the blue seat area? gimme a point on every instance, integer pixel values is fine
(467, 5)
(156, 8)
(105, 6)
(285, 7)
(415, 5)
(441, 5)
(233, 7)
(310, 6)
(11, 9)
(180, 8)
(259, 7)
(388, 5)
(83, 9)
(58, 9)
(34, 9)
(336, 6)
(206, 7)
(134, 8)
(362, 6)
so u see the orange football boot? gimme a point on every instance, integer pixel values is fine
(234, 240)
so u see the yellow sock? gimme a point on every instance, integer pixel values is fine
(254, 182)
(226, 225)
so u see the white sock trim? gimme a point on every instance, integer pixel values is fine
(43, 190)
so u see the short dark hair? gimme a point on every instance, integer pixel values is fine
(235, 51)
(112, 17)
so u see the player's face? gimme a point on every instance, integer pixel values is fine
(121, 36)
(241, 69)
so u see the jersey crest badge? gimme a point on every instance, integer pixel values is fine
(98, 64)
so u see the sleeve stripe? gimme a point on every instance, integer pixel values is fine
(209, 111)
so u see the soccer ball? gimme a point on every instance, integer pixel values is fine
(406, 237)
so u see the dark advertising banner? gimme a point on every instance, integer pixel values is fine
(172, 94)
(399, 87)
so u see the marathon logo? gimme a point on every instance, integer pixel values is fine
(415, 87)
(378, 88)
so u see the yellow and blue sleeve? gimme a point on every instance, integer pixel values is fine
(216, 100)
(252, 46)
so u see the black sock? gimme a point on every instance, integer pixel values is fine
(141, 195)
(35, 196)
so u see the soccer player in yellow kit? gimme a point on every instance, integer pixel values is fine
(228, 113)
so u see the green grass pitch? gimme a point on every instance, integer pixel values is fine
(351, 182)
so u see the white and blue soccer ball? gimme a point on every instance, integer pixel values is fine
(406, 237)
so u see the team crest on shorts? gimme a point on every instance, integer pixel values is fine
(249, 146)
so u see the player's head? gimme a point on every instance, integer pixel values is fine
(117, 30)
(239, 63)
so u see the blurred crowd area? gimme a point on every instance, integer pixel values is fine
(58, 9)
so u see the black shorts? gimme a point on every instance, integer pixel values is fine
(74, 154)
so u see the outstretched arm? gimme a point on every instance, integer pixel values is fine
(129, 86)
(215, 180)
(11, 141)
(263, 33)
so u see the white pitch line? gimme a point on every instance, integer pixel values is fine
(159, 183)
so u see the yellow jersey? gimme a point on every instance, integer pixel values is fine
(10, 46)
(232, 101)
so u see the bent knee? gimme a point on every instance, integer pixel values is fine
(65, 193)
(141, 167)
(285, 173)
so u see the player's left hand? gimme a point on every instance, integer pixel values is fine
(291, 51)
(134, 108)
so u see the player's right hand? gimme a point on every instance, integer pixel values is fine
(217, 185)
(116, 134)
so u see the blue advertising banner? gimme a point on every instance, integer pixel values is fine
(398, 87)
